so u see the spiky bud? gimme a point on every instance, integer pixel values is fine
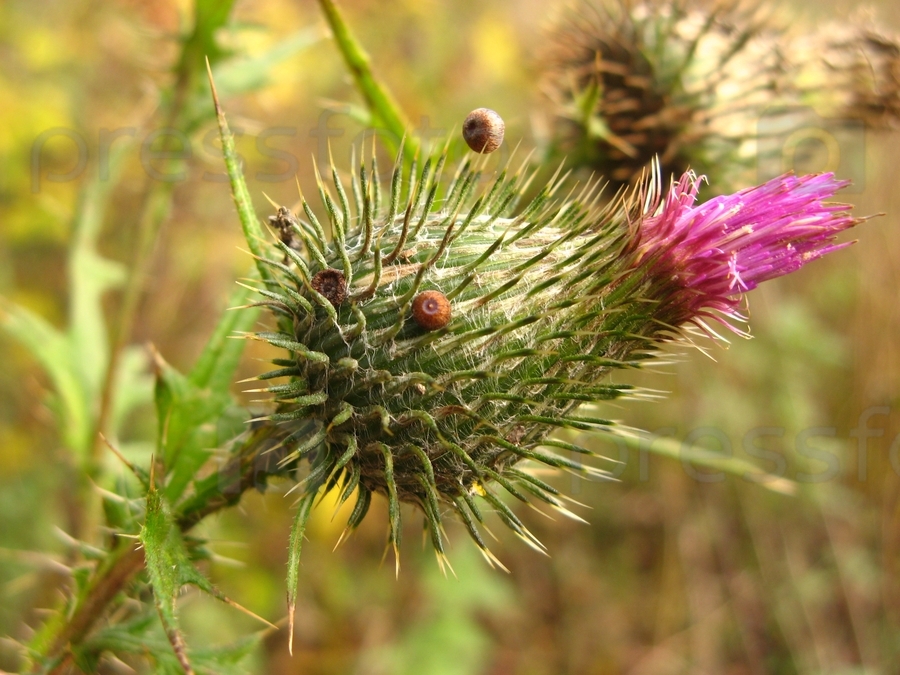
(545, 304)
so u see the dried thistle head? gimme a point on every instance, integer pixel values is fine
(631, 80)
(529, 309)
(851, 69)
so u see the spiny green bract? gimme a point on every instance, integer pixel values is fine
(540, 314)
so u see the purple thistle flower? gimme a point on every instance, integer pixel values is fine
(700, 260)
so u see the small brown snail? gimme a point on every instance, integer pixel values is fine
(483, 130)
(431, 310)
(331, 284)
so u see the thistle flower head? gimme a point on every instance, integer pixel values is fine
(632, 80)
(707, 256)
(464, 337)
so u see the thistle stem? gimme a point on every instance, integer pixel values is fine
(380, 101)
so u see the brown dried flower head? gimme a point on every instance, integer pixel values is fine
(852, 70)
(635, 80)
(331, 284)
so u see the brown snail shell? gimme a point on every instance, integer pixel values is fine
(483, 130)
(431, 310)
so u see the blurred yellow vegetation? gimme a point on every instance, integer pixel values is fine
(673, 575)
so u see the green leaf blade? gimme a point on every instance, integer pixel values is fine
(217, 364)
(294, 546)
(253, 232)
(52, 350)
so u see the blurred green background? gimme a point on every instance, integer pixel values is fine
(681, 570)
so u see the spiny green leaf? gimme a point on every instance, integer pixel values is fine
(304, 508)
(190, 408)
(253, 232)
(142, 636)
(186, 430)
(123, 506)
(169, 567)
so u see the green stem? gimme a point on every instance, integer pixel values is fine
(379, 99)
(123, 563)
(153, 209)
